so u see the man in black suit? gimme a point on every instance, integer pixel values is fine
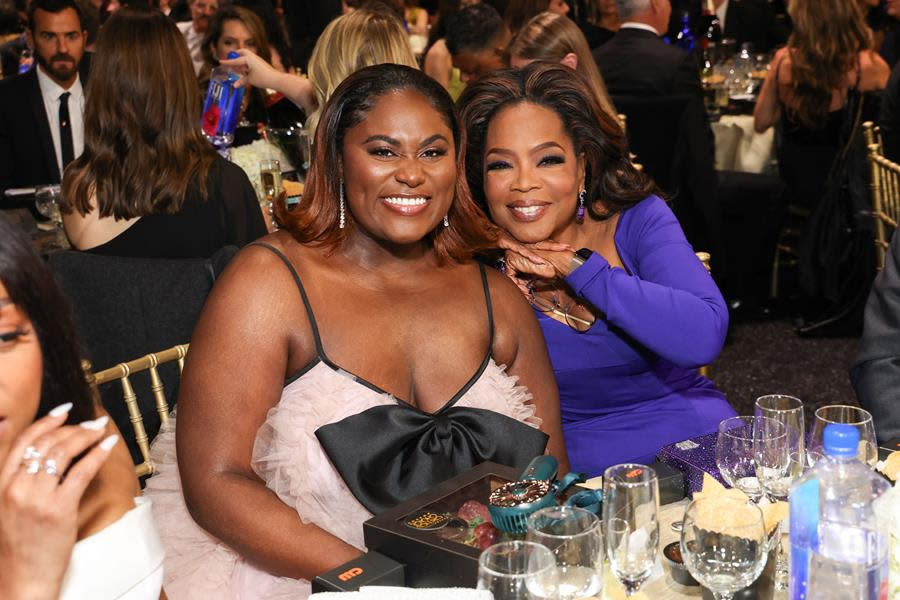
(636, 62)
(744, 21)
(41, 111)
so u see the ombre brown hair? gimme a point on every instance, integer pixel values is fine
(315, 221)
(143, 150)
(216, 27)
(611, 182)
(824, 47)
(550, 36)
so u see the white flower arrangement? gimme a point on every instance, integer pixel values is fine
(249, 156)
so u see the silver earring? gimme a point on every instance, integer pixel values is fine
(446, 222)
(342, 217)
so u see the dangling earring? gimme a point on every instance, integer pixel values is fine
(342, 218)
(446, 222)
(579, 215)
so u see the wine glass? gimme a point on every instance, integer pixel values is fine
(847, 415)
(573, 535)
(752, 452)
(631, 520)
(510, 570)
(46, 201)
(788, 411)
(723, 544)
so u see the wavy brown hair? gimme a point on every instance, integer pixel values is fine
(315, 221)
(216, 27)
(825, 45)
(143, 150)
(611, 181)
(519, 12)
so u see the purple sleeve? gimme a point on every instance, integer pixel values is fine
(670, 305)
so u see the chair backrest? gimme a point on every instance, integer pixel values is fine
(129, 307)
(704, 258)
(885, 184)
(122, 372)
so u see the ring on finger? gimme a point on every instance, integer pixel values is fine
(31, 453)
(32, 467)
(50, 467)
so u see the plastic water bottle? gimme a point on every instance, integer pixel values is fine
(838, 549)
(222, 107)
(685, 39)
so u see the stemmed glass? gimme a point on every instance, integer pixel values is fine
(631, 520)
(752, 453)
(847, 415)
(723, 543)
(510, 569)
(46, 201)
(573, 535)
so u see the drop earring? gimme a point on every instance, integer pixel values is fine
(342, 217)
(579, 214)
(446, 221)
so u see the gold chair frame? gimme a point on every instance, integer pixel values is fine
(704, 260)
(885, 186)
(123, 371)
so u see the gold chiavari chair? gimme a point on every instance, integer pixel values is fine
(704, 259)
(122, 372)
(885, 185)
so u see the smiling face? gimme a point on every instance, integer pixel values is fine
(58, 43)
(21, 369)
(399, 169)
(532, 174)
(235, 36)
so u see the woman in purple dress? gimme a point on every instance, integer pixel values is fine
(627, 309)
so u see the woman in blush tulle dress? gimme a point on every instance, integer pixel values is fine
(351, 361)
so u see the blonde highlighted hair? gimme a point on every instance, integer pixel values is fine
(351, 42)
(550, 37)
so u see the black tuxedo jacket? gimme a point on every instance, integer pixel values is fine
(636, 62)
(27, 156)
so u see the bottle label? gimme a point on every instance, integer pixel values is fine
(221, 110)
(804, 535)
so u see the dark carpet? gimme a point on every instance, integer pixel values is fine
(766, 357)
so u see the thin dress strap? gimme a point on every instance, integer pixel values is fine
(490, 306)
(306, 304)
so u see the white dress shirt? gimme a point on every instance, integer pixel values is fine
(50, 92)
(193, 40)
(635, 25)
(721, 12)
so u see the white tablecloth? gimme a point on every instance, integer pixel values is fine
(739, 147)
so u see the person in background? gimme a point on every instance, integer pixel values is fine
(279, 45)
(276, 466)
(148, 183)
(234, 28)
(599, 21)
(519, 12)
(195, 29)
(72, 524)
(416, 18)
(628, 316)
(41, 111)
(438, 63)
(889, 116)
(477, 40)
(555, 38)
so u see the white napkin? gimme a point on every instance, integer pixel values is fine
(373, 592)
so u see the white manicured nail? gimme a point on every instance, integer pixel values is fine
(96, 424)
(109, 442)
(61, 410)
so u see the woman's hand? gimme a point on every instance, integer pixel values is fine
(543, 260)
(38, 510)
(258, 73)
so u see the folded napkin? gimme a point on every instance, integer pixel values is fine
(374, 592)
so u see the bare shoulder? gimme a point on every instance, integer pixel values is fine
(513, 316)
(875, 71)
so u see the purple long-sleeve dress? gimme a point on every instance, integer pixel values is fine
(629, 385)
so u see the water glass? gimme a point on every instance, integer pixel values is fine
(510, 570)
(723, 544)
(847, 415)
(574, 536)
(631, 521)
(751, 453)
(788, 411)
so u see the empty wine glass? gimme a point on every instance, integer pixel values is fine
(847, 415)
(46, 201)
(573, 535)
(788, 411)
(752, 452)
(510, 569)
(631, 520)
(723, 544)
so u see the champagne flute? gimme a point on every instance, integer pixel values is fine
(631, 520)
(847, 415)
(573, 535)
(724, 544)
(752, 452)
(511, 569)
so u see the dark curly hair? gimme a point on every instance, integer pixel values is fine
(33, 290)
(611, 181)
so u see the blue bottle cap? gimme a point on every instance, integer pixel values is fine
(233, 54)
(840, 440)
